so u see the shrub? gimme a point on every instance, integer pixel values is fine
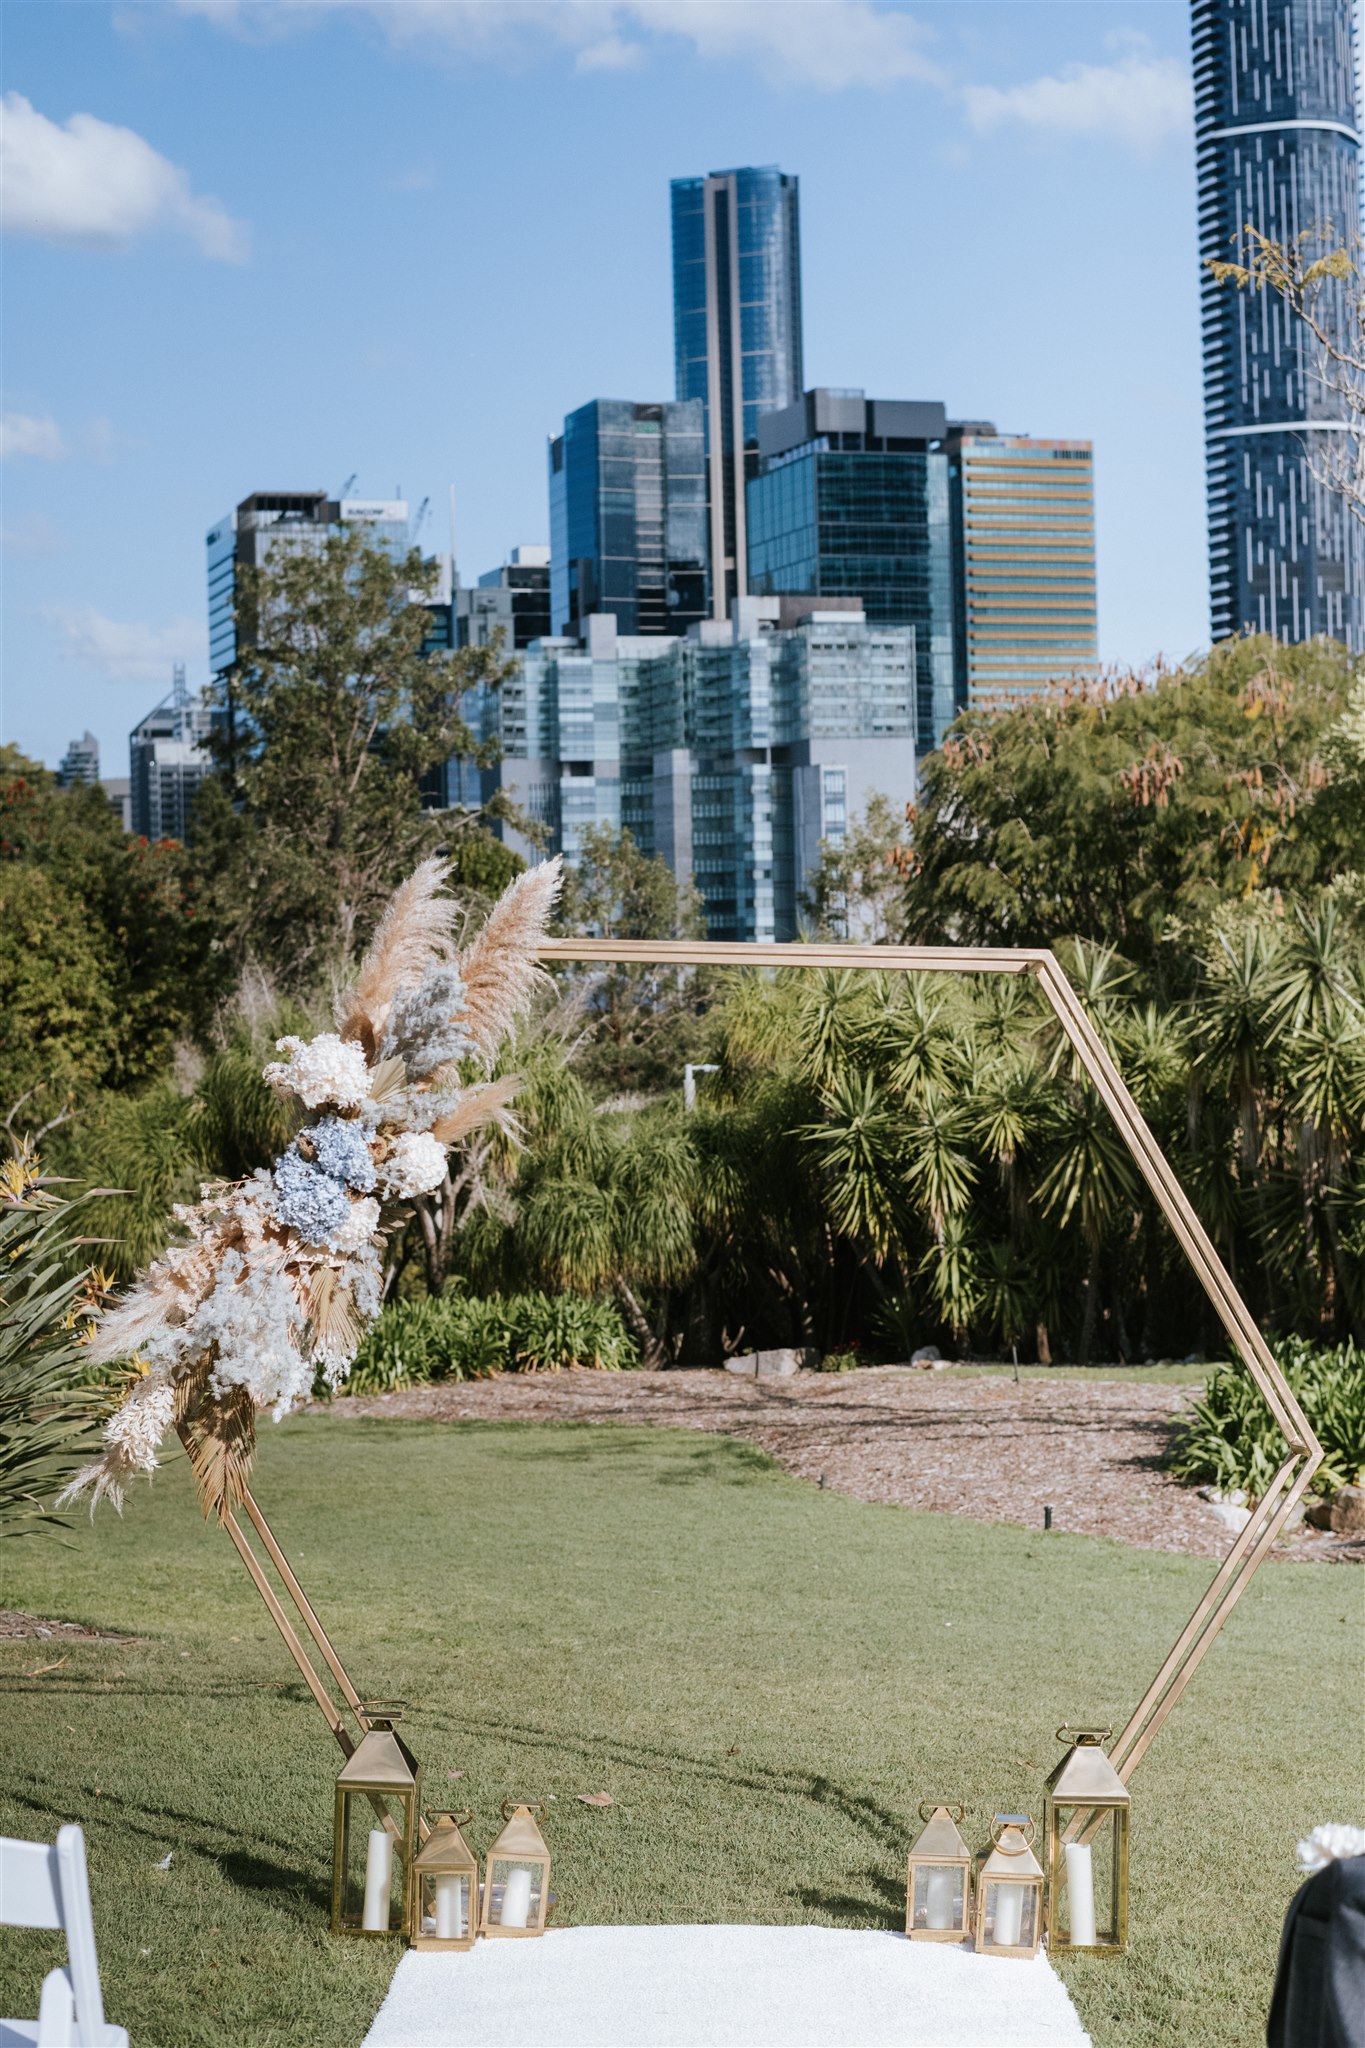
(1231, 1440)
(50, 1405)
(466, 1337)
(550, 1332)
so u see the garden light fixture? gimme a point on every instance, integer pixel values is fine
(375, 1830)
(1085, 1838)
(1009, 1891)
(516, 1877)
(445, 1888)
(938, 1886)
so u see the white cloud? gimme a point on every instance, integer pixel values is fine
(30, 433)
(830, 44)
(124, 651)
(1140, 99)
(98, 186)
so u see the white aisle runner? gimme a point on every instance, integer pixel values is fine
(723, 1987)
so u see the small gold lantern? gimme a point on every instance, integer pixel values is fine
(1009, 1891)
(376, 1829)
(516, 1876)
(1085, 1835)
(938, 1886)
(445, 1888)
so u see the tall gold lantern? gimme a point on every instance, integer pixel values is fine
(938, 1886)
(377, 1791)
(445, 1888)
(516, 1876)
(1009, 1891)
(1085, 1835)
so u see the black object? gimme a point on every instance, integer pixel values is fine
(1319, 1997)
(1047, 1517)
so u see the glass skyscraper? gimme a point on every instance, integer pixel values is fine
(1278, 138)
(851, 500)
(736, 334)
(628, 517)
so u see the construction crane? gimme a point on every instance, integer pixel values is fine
(349, 484)
(422, 511)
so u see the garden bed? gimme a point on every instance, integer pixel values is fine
(956, 1442)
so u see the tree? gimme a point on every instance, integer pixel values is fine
(106, 955)
(855, 890)
(642, 1023)
(333, 713)
(1125, 809)
(1318, 277)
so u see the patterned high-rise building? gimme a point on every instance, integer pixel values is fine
(1278, 138)
(736, 335)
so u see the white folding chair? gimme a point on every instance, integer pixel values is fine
(43, 1886)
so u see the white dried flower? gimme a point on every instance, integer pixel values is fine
(254, 1317)
(360, 1226)
(135, 1430)
(325, 1072)
(416, 1164)
(1329, 1844)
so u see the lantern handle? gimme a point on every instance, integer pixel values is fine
(461, 1819)
(531, 1805)
(1078, 1736)
(1026, 1825)
(384, 1710)
(956, 1813)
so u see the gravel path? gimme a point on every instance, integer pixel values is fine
(958, 1444)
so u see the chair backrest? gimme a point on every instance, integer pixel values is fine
(48, 1887)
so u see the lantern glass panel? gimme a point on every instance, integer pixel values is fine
(1011, 1914)
(938, 1898)
(444, 1904)
(1086, 1886)
(371, 1877)
(516, 1894)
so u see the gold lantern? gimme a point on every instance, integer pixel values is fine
(376, 1830)
(445, 1888)
(938, 1886)
(1085, 1837)
(516, 1876)
(1009, 1891)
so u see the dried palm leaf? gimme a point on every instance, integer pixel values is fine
(219, 1435)
(475, 1107)
(499, 969)
(333, 1323)
(417, 924)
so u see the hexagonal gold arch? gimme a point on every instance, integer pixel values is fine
(1303, 1451)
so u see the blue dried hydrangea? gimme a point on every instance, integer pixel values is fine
(424, 1024)
(309, 1201)
(340, 1151)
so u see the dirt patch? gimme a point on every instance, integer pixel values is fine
(978, 1446)
(16, 1628)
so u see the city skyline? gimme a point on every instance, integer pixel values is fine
(392, 372)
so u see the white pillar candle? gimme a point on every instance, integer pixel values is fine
(516, 1898)
(1009, 1915)
(450, 1914)
(1080, 1894)
(378, 1881)
(939, 1898)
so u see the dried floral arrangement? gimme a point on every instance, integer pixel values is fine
(282, 1273)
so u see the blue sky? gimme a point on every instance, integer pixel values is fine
(272, 246)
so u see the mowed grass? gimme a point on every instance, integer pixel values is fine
(766, 1677)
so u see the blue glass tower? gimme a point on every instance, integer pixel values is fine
(628, 517)
(736, 334)
(1277, 133)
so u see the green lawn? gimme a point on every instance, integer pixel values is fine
(766, 1677)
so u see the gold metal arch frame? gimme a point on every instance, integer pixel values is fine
(1303, 1452)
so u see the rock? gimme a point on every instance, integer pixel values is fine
(928, 1354)
(1318, 1513)
(1348, 1511)
(782, 1364)
(746, 1361)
